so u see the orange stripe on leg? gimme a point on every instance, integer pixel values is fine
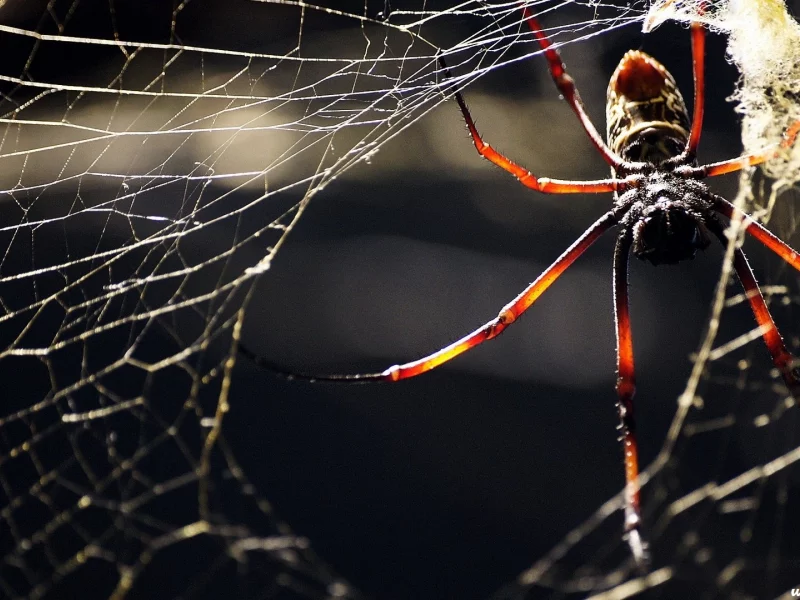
(756, 158)
(758, 231)
(510, 312)
(783, 360)
(626, 388)
(737, 164)
(528, 179)
(566, 85)
(698, 67)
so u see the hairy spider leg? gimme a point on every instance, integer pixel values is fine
(698, 68)
(783, 360)
(566, 85)
(626, 388)
(751, 160)
(526, 178)
(509, 313)
(758, 231)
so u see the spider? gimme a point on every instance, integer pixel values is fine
(664, 212)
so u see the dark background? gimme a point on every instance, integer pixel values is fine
(451, 484)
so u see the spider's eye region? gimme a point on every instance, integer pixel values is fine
(667, 232)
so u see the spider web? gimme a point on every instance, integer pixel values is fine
(156, 156)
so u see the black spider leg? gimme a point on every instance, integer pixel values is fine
(626, 388)
(244, 351)
(783, 360)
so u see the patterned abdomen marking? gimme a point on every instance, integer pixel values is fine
(645, 112)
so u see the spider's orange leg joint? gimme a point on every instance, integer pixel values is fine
(510, 312)
(758, 231)
(566, 85)
(626, 388)
(756, 158)
(783, 360)
(528, 179)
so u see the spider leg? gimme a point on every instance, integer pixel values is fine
(750, 160)
(783, 360)
(566, 85)
(526, 178)
(626, 387)
(758, 231)
(698, 67)
(492, 329)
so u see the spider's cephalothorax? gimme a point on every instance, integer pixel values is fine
(645, 112)
(667, 217)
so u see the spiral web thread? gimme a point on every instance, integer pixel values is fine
(152, 170)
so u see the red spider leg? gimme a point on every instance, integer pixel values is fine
(758, 231)
(750, 160)
(698, 67)
(526, 178)
(783, 360)
(490, 330)
(566, 85)
(626, 388)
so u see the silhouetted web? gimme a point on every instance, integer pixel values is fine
(155, 157)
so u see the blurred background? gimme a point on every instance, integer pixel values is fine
(205, 477)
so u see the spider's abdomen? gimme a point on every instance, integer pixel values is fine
(645, 112)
